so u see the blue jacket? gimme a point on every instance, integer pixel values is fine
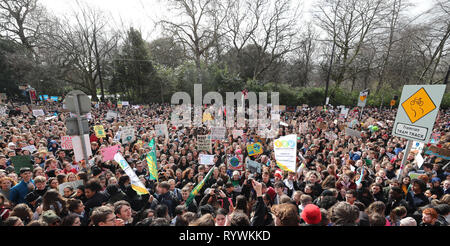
(19, 191)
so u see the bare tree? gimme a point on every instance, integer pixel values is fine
(202, 28)
(23, 21)
(349, 23)
(84, 46)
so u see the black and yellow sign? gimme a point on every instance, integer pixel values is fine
(418, 105)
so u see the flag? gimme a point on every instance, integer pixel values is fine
(136, 183)
(151, 161)
(197, 188)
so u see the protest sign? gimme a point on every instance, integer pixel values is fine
(439, 152)
(161, 130)
(206, 159)
(218, 133)
(99, 131)
(30, 148)
(108, 153)
(331, 136)
(20, 161)
(235, 162)
(283, 123)
(285, 149)
(127, 134)
(435, 136)
(111, 115)
(352, 133)
(204, 142)
(369, 121)
(51, 118)
(136, 183)
(125, 103)
(253, 166)
(413, 175)
(237, 133)
(303, 129)
(3, 111)
(117, 137)
(73, 184)
(24, 109)
(419, 159)
(38, 112)
(417, 146)
(66, 142)
(77, 147)
(254, 149)
(275, 117)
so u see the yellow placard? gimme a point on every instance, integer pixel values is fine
(99, 131)
(418, 105)
(392, 102)
(254, 149)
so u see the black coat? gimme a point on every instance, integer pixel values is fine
(95, 201)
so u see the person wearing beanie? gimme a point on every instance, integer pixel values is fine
(51, 218)
(311, 215)
(408, 221)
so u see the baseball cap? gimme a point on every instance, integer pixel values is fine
(311, 214)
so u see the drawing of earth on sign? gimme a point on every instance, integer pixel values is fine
(234, 162)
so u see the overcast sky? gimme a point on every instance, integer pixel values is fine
(143, 14)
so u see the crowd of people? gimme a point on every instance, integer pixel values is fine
(325, 189)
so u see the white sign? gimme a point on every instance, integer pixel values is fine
(363, 98)
(125, 103)
(66, 142)
(283, 123)
(38, 112)
(417, 146)
(206, 159)
(136, 183)
(111, 115)
(3, 111)
(77, 147)
(352, 133)
(411, 131)
(331, 136)
(237, 133)
(127, 134)
(161, 130)
(51, 118)
(73, 184)
(30, 148)
(303, 128)
(285, 149)
(275, 117)
(218, 133)
(204, 142)
(419, 159)
(417, 111)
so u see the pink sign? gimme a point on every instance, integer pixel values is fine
(66, 142)
(108, 153)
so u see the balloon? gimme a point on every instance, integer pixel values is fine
(375, 128)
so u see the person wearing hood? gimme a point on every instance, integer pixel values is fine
(53, 147)
(436, 188)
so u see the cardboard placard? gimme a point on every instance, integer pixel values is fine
(161, 130)
(253, 166)
(66, 142)
(108, 153)
(235, 162)
(99, 131)
(206, 159)
(73, 184)
(218, 133)
(204, 142)
(254, 149)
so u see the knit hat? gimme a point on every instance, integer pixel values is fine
(435, 179)
(311, 214)
(279, 174)
(50, 217)
(271, 192)
(408, 221)
(236, 173)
